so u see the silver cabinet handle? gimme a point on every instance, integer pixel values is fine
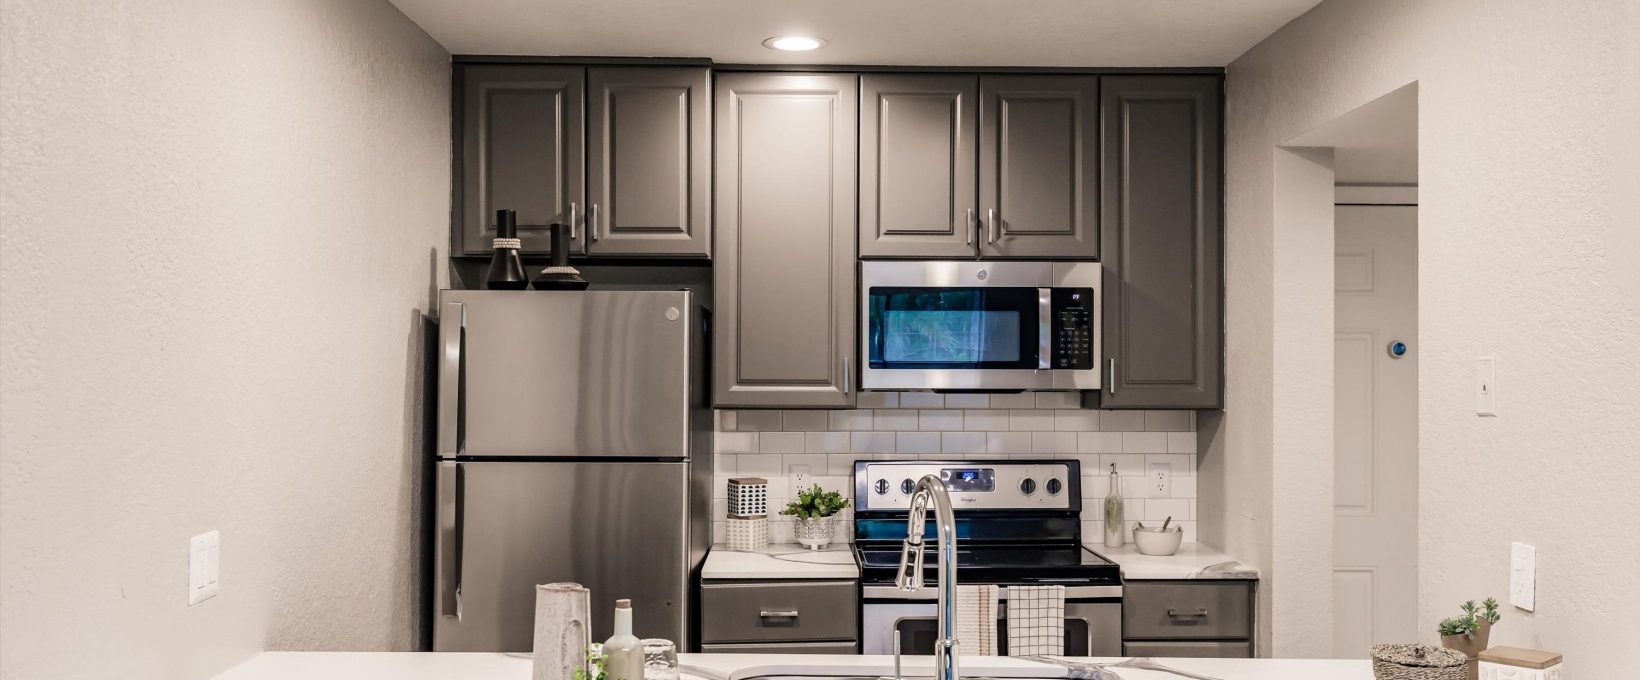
(969, 228)
(991, 225)
(847, 381)
(453, 339)
(451, 486)
(782, 614)
(572, 220)
(1190, 614)
(592, 221)
(1112, 384)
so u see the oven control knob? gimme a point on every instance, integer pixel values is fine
(881, 486)
(906, 486)
(1055, 486)
(1028, 486)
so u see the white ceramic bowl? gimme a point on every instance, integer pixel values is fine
(1158, 542)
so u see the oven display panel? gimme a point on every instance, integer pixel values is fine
(969, 479)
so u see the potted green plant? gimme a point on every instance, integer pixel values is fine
(1469, 633)
(813, 510)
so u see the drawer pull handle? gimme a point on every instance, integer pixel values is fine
(1187, 614)
(782, 614)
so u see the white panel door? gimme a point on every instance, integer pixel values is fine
(1375, 468)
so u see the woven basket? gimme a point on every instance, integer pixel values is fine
(1418, 662)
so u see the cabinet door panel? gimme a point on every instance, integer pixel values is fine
(649, 163)
(1039, 166)
(784, 276)
(917, 164)
(1162, 235)
(521, 149)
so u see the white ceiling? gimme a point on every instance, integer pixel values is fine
(910, 32)
(1374, 144)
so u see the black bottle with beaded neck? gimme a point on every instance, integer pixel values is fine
(559, 275)
(506, 269)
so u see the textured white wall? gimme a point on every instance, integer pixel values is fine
(220, 221)
(1528, 171)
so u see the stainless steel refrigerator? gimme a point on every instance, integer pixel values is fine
(574, 444)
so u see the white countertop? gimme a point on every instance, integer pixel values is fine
(780, 561)
(1192, 561)
(488, 666)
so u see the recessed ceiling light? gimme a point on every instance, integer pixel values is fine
(794, 43)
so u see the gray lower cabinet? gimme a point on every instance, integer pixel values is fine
(1162, 232)
(918, 157)
(1039, 166)
(1188, 618)
(649, 162)
(784, 268)
(519, 144)
(780, 617)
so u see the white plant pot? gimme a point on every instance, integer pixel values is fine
(813, 534)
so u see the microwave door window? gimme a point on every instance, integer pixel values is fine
(952, 328)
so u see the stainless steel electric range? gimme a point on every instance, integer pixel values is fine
(1018, 523)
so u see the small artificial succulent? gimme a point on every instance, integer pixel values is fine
(1470, 621)
(595, 664)
(814, 503)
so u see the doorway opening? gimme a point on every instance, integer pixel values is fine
(1347, 381)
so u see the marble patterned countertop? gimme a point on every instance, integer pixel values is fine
(1192, 561)
(781, 561)
(490, 666)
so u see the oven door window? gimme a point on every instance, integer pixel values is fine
(934, 328)
(917, 636)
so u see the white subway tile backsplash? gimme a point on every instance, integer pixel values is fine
(967, 401)
(921, 400)
(928, 426)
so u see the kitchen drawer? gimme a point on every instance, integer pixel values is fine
(782, 648)
(1201, 650)
(1187, 609)
(778, 611)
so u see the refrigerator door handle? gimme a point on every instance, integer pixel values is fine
(452, 382)
(451, 485)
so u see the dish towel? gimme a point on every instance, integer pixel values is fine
(1036, 620)
(977, 620)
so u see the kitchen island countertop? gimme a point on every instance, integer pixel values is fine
(490, 666)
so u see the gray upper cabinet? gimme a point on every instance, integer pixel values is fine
(520, 140)
(1039, 166)
(1162, 232)
(917, 164)
(784, 273)
(648, 162)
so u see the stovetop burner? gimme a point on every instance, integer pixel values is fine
(1003, 565)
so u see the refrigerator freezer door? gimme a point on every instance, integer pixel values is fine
(570, 374)
(616, 528)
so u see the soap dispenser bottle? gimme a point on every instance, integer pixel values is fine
(623, 654)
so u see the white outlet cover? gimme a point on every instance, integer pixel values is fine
(204, 566)
(1161, 480)
(1523, 576)
(799, 478)
(1486, 386)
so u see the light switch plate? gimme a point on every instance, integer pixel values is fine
(204, 566)
(1523, 576)
(1486, 387)
(1161, 480)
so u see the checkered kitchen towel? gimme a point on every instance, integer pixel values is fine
(1036, 620)
(977, 620)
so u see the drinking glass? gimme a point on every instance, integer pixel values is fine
(660, 659)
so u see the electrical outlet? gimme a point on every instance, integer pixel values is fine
(204, 566)
(1523, 576)
(799, 478)
(1486, 386)
(1161, 480)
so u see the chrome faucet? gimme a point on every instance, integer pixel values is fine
(910, 576)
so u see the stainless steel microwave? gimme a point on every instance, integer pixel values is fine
(973, 325)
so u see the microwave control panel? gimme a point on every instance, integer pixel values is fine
(1073, 328)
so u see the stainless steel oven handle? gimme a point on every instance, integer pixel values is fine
(453, 339)
(1044, 328)
(451, 485)
(1071, 593)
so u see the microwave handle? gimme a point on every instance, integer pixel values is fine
(1044, 328)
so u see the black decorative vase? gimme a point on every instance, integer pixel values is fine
(506, 269)
(559, 276)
